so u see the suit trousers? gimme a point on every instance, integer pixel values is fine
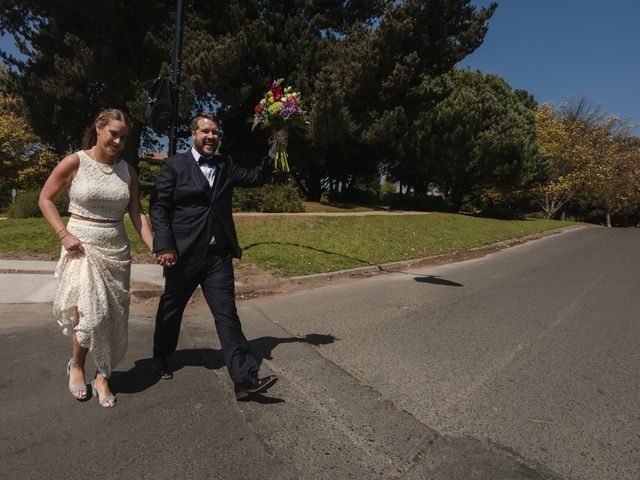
(216, 279)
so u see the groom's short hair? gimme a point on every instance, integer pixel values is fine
(201, 115)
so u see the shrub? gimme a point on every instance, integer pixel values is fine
(354, 195)
(502, 212)
(421, 203)
(26, 205)
(270, 198)
(147, 176)
(388, 188)
(365, 190)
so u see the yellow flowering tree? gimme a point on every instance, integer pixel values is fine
(614, 183)
(24, 162)
(570, 139)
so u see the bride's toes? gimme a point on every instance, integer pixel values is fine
(77, 385)
(101, 389)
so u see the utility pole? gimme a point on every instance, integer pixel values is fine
(175, 77)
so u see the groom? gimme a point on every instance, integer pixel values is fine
(195, 240)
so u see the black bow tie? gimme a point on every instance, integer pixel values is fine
(209, 161)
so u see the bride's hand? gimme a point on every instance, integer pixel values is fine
(72, 245)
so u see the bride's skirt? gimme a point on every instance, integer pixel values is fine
(97, 285)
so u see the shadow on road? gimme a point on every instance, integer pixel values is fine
(419, 278)
(437, 281)
(141, 376)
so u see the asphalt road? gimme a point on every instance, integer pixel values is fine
(534, 349)
(522, 365)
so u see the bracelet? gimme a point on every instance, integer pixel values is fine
(64, 236)
(58, 232)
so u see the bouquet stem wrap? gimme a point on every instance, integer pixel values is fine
(278, 143)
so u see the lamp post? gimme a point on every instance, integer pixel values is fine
(175, 77)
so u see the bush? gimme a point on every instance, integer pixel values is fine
(26, 205)
(502, 212)
(354, 196)
(270, 198)
(421, 203)
(147, 177)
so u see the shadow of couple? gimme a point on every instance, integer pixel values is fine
(141, 376)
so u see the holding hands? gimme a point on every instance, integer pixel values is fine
(166, 258)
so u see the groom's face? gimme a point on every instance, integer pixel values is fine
(206, 138)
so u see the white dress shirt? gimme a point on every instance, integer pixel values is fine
(209, 171)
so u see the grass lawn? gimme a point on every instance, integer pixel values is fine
(300, 245)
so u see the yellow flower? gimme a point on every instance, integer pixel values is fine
(271, 100)
(275, 108)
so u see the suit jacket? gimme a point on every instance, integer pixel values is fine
(186, 212)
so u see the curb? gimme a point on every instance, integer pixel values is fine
(451, 257)
(144, 290)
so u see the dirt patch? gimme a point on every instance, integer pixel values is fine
(28, 256)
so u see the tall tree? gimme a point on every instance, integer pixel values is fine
(352, 60)
(473, 134)
(83, 56)
(571, 136)
(414, 38)
(613, 181)
(300, 41)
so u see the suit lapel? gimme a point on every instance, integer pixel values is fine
(221, 173)
(196, 173)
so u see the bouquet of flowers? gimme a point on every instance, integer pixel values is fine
(278, 110)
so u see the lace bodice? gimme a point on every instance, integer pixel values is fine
(99, 191)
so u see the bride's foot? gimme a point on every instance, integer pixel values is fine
(77, 385)
(101, 389)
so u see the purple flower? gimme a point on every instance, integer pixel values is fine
(290, 109)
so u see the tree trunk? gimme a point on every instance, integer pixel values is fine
(456, 200)
(609, 218)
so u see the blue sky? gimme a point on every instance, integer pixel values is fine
(558, 50)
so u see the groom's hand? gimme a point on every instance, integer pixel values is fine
(166, 258)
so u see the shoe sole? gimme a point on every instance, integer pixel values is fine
(163, 375)
(262, 388)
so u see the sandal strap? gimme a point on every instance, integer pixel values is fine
(106, 399)
(78, 388)
(73, 363)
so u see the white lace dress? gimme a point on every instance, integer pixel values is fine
(96, 284)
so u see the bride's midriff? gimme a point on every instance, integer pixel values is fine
(99, 220)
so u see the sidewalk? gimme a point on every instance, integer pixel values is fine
(32, 281)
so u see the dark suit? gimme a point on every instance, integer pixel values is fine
(185, 214)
